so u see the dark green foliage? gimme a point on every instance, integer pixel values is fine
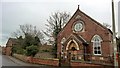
(31, 50)
(20, 41)
(30, 40)
(36, 41)
(27, 46)
(45, 50)
(14, 49)
(18, 50)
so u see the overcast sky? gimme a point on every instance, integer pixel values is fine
(119, 17)
(18, 12)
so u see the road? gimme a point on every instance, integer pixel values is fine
(10, 62)
(0, 60)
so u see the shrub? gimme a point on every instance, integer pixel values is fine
(18, 50)
(45, 50)
(31, 50)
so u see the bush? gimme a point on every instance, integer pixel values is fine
(21, 51)
(31, 50)
(18, 50)
(45, 50)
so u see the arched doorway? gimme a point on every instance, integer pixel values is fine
(72, 49)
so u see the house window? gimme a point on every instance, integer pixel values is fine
(96, 45)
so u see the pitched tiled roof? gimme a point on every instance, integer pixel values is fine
(12, 41)
(78, 10)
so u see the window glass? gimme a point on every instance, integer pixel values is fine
(97, 45)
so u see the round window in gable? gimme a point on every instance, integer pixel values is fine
(78, 26)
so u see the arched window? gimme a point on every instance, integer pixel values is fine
(96, 44)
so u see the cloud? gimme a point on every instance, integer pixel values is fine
(36, 12)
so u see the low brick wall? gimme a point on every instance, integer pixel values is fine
(82, 64)
(89, 65)
(53, 62)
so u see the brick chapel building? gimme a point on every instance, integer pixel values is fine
(84, 39)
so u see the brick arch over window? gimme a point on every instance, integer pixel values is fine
(67, 47)
(96, 40)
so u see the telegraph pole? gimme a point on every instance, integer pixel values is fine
(114, 37)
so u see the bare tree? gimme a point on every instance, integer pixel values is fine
(56, 22)
(28, 29)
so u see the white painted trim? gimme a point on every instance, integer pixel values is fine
(63, 40)
(100, 50)
(83, 26)
(74, 42)
(92, 40)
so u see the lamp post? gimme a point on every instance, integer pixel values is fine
(114, 37)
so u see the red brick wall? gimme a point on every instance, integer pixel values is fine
(44, 61)
(88, 65)
(53, 62)
(82, 64)
(91, 27)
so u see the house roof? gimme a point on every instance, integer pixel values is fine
(12, 40)
(77, 11)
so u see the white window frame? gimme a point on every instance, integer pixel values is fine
(83, 26)
(98, 43)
